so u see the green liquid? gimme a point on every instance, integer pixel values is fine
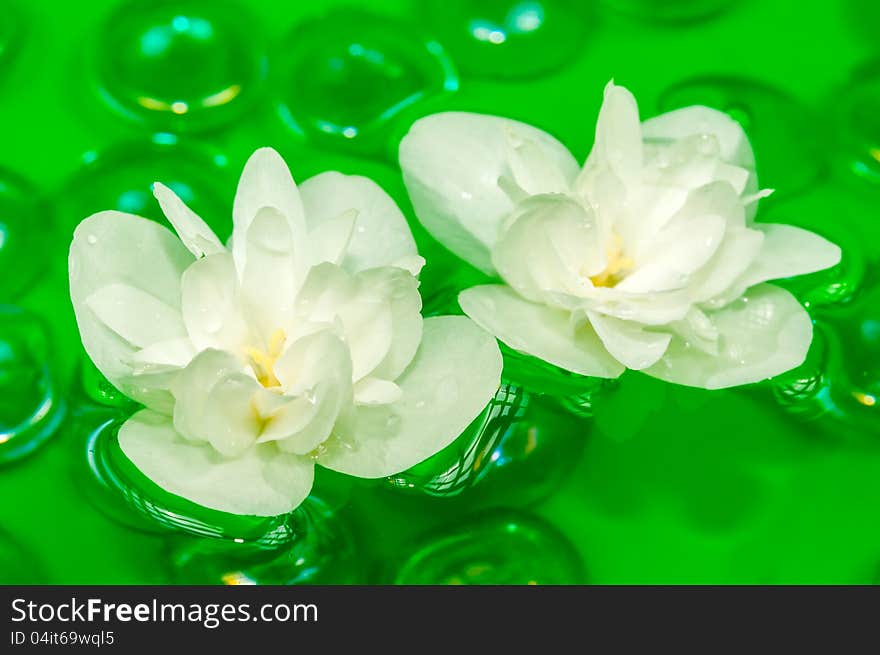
(640, 482)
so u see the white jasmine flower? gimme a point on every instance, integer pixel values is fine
(302, 342)
(646, 258)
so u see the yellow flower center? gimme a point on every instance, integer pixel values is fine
(263, 361)
(616, 267)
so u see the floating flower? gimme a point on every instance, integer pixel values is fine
(301, 342)
(646, 258)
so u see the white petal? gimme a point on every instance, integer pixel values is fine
(454, 375)
(271, 277)
(136, 315)
(452, 163)
(380, 236)
(329, 240)
(412, 264)
(374, 391)
(286, 417)
(541, 331)
(312, 359)
(550, 243)
(735, 254)
(401, 290)
(647, 308)
(698, 120)
(681, 206)
(192, 230)
(734, 146)
(717, 198)
(214, 403)
(618, 144)
(629, 342)
(762, 334)
(692, 162)
(697, 329)
(788, 251)
(265, 182)
(329, 398)
(364, 309)
(164, 355)
(212, 309)
(262, 481)
(111, 247)
(679, 250)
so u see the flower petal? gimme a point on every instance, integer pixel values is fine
(136, 315)
(647, 308)
(460, 170)
(116, 248)
(788, 251)
(312, 359)
(401, 290)
(163, 355)
(679, 250)
(272, 275)
(262, 481)
(212, 309)
(328, 398)
(192, 230)
(549, 243)
(329, 240)
(538, 330)
(214, 403)
(618, 144)
(374, 391)
(381, 235)
(764, 333)
(734, 146)
(265, 182)
(452, 378)
(283, 416)
(365, 306)
(698, 120)
(629, 343)
(733, 257)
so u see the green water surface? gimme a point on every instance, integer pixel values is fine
(672, 485)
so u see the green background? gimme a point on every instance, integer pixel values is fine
(673, 485)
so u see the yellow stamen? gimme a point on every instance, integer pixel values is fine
(263, 362)
(617, 266)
